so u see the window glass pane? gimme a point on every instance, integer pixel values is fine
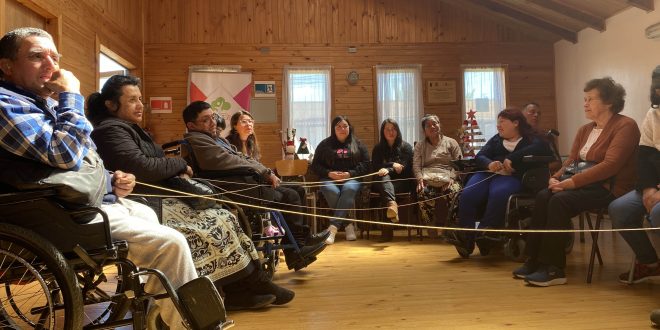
(108, 68)
(399, 97)
(485, 93)
(308, 104)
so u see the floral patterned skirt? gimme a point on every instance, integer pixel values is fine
(430, 196)
(217, 242)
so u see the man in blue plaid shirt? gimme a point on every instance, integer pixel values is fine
(57, 134)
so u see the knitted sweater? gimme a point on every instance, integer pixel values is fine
(614, 152)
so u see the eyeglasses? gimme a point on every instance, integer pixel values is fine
(342, 127)
(246, 122)
(206, 119)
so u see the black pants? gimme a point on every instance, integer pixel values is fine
(388, 189)
(246, 189)
(554, 211)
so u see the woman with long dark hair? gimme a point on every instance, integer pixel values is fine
(242, 134)
(392, 158)
(485, 196)
(339, 158)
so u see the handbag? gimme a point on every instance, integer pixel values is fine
(193, 186)
(437, 177)
(84, 187)
(575, 168)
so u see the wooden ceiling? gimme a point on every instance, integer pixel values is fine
(552, 19)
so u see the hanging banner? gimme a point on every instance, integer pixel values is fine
(226, 92)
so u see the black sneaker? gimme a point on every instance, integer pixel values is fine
(236, 301)
(298, 260)
(282, 295)
(547, 276)
(484, 245)
(317, 238)
(528, 268)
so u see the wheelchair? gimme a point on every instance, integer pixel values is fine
(266, 228)
(60, 271)
(518, 210)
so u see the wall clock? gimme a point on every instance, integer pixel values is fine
(352, 77)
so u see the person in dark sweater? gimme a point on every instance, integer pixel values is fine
(503, 155)
(339, 158)
(392, 158)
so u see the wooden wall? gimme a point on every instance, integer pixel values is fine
(116, 24)
(439, 35)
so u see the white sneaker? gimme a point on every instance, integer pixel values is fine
(350, 233)
(331, 238)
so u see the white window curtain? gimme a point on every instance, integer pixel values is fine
(485, 93)
(307, 103)
(399, 96)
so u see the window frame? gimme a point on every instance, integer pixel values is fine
(505, 69)
(414, 123)
(286, 103)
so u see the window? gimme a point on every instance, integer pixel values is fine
(108, 68)
(307, 103)
(399, 96)
(484, 92)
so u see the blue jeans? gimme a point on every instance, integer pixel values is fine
(490, 195)
(340, 197)
(628, 211)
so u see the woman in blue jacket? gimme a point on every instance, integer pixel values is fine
(485, 195)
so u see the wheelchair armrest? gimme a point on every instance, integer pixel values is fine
(228, 173)
(538, 159)
(21, 196)
(462, 164)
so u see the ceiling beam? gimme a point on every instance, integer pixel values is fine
(593, 21)
(526, 18)
(646, 5)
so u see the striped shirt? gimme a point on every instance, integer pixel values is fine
(53, 133)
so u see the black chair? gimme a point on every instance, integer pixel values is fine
(595, 251)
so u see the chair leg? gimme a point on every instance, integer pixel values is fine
(631, 273)
(581, 224)
(594, 246)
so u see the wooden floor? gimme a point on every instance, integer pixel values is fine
(425, 285)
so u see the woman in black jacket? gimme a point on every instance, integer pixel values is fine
(339, 158)
(392, 158)
(220, 248)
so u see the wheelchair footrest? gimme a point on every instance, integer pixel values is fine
(203, 304)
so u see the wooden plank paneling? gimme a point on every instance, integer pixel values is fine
(531, 77)
(320, 22)
(118, 25)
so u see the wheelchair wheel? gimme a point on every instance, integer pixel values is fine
(40, 288)
(514, 248)
(102, 295)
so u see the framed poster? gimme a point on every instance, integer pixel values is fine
(440, 91)
(264, 89)
(226, 92)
